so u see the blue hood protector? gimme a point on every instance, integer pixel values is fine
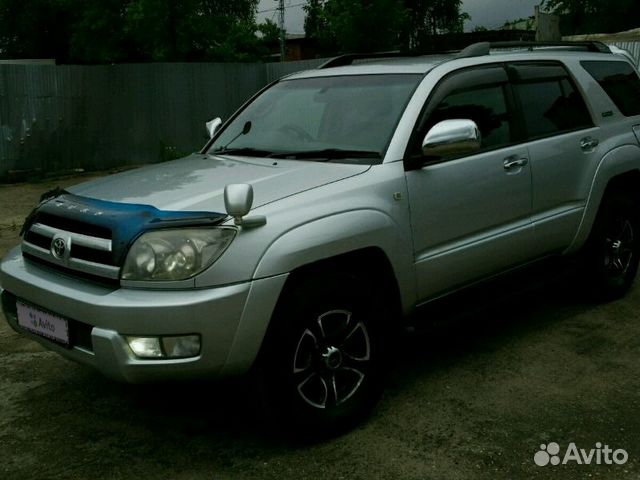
(123, 223)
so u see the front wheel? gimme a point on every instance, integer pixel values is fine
(323, 354)
(612, 252)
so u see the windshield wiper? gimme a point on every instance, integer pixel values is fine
(328, 154)
(243, 151)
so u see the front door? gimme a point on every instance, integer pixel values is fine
(471, 215)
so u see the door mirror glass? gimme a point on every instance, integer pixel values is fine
(213, 126)
(452, 138)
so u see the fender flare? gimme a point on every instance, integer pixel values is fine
(341, 233)
(618, 161)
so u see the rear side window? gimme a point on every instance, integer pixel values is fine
(620, 81)
(550, 102)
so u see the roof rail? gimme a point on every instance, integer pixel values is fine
(349, 58)
(475, 50)
(597, 47)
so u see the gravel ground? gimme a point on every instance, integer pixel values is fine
(472, 397)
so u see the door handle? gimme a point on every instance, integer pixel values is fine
(588, 143)
(515, 161)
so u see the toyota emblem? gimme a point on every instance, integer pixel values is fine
(58, 247)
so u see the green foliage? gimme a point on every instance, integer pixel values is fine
(270, 32)
(105, 31)
(596, 16)
(375, 25)
(35, 28)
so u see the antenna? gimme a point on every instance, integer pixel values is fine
(282, 34)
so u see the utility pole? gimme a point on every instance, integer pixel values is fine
(283, 46)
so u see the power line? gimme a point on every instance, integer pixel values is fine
(278, 8)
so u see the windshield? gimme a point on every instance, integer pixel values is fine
(344, 118)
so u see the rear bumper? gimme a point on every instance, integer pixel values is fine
(231, 321)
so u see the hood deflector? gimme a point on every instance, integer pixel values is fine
(122, 222)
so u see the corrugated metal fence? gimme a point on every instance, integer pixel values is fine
(57, 118)
(632, 47)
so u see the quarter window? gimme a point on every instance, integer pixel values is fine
(620, 81)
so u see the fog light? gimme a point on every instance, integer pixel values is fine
(180, 347)
(165, 347)
(145, 347)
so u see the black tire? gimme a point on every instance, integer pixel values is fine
(321, 368)
(612, 252)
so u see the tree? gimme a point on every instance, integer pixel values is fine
(174, 30)
(355, 25)
(97, 34)
(106, 31)
(367, 25)
(432, 17)
(269, 31)
(35, 28)
(595, 16)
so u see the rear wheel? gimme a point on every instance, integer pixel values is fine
(323, 354)
(613, 249)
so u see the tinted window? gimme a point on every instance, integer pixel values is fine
(620, 81)
(481, 94)
(355, 112)
(486, 106)
(550, 102)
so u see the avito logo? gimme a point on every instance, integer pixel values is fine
(549, 454)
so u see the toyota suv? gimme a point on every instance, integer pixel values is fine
(330, 206)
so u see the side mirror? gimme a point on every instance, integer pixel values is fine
(213, 126)
(452, 138)
(238, 199)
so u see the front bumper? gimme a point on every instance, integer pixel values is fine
(231, 320)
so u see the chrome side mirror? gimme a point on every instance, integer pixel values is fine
(213, 126)
(451, 138)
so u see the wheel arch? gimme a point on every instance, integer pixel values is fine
(369, 262)
(354, 239)
(619, 171)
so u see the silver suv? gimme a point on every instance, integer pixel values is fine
(332, 204)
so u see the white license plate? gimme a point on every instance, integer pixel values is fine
(43, 323)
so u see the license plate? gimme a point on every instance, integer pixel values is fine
(43, 323)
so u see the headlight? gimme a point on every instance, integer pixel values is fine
(175, 254)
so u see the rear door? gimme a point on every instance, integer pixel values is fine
(562, 143)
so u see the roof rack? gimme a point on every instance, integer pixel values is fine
(597, 47)
(473, 50)
(349, 58)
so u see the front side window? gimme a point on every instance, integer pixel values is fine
(484, 105)
(621, 83)
(550, 102)
(306, 118)
(478, 94)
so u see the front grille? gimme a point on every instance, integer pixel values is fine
(70, 245)
(111, 283)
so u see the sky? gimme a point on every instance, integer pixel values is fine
(486, 13)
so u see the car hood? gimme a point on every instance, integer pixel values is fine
(197, 182)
